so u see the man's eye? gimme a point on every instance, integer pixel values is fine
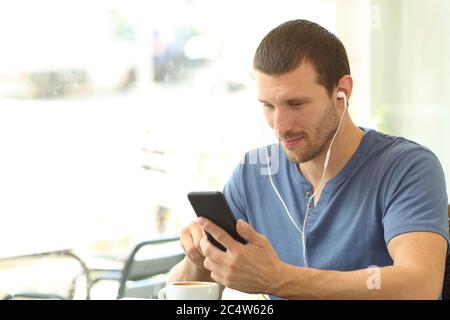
(268, 106)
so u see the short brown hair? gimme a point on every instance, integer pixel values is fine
(287, 46)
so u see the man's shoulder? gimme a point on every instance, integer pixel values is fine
(392, 148)
(395, 157)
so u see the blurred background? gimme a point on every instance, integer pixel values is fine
(111, 111)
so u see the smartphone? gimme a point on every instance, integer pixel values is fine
(214, 207)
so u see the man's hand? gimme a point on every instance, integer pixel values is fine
(251, 268)
(191, 267)
(190, 238)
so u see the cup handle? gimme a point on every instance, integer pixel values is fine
(162, 294)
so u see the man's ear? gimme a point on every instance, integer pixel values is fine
(345, 85)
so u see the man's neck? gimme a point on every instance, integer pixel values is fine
(345, 145)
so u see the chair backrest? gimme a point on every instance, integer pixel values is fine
(48, 275)
(446, 285)
(148, 261)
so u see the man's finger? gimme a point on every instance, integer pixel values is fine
(187, 243)
(211, 251)
(197, 235)
(218, 233)
(247, 232)
(213, 266)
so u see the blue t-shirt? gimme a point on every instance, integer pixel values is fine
(390, 186)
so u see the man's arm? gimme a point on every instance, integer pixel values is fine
(185, 270)
(417, 273)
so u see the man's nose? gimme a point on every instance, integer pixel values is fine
(282, 121)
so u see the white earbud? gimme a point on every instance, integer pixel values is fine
(341, 95)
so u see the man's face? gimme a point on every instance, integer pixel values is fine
(299, 110)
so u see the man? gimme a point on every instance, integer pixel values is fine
(380, 203)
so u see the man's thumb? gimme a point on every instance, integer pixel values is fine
(247, 232)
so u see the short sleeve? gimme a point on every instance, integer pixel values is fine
(233, 192)
(416, 198)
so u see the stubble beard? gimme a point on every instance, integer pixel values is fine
(311, 147)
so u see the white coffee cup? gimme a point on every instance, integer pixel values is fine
(190, 290)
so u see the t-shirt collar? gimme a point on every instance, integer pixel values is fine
(348, 168)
